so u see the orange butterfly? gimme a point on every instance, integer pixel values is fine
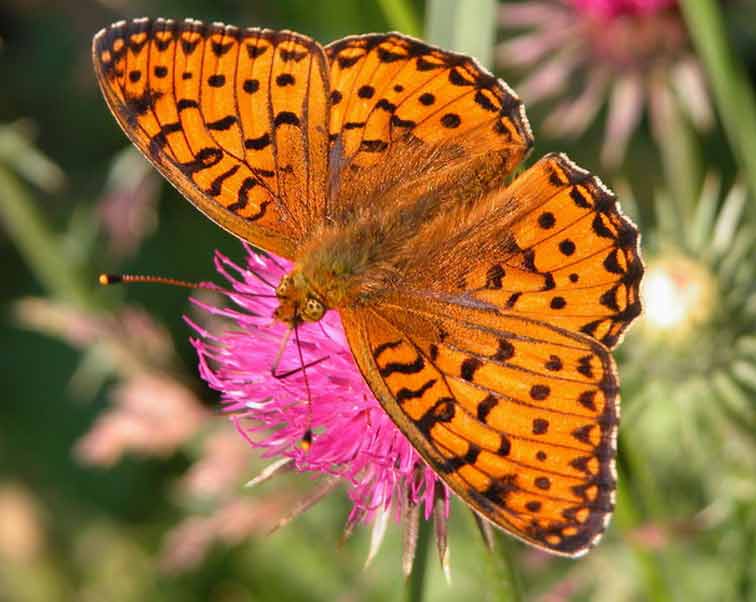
(480, 310)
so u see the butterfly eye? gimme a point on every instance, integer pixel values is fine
(282, 290)
(313, 310)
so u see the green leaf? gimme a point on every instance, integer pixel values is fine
(729, 81)
(401, 16)
(467, 27)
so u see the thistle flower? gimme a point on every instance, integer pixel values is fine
(690, 372)
(354, 442)
(680, 294)
(588, 52)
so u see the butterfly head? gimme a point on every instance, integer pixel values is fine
(297, 301)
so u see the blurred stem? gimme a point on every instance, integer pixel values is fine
(17, 151)
(401, 16)
(38, 244)
(415, 586)
(627, 519)
(732, 90)
(746, 583)
(678, 151)
(641, 475)
(503, 571)
(467, 27)
(504, 582)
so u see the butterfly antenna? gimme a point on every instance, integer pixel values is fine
(306, 441)
(279, 354)
(108, 279)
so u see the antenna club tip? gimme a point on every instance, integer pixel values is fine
(306, 442)
(105, 279)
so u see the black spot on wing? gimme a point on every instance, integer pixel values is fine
(385, 346)
(291, 55)
(219, 49)
(222, 124)
(286, 118)
(242, 196)
(216, 80)
(442, 411)
(405, 393)
(403, 368)
(485, 407)
(468, 368)
(258, 143)
(255, 51)
(206, 157)
(216, 186)
(186, 103)
(373, 146)
(260, 212)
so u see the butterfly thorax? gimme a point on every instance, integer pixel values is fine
(339, 267)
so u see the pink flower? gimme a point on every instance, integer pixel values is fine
(127, 207)
(630, 55)
(354, 439)
(152, 414)
(607, 9)
(187, 544)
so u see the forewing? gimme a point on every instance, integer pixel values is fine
(236, 119)
(517, 416)
(391, 94)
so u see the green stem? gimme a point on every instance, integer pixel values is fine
(17, 152)
(732, 91)
(37, 243)
(400, 16)
(415, 587)
(503, 568)
(504, 581)
(678, 152)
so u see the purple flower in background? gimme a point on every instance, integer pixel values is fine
(629, 54)
(354, 441)
(127, 207)
(612, 8)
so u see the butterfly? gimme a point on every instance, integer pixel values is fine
(481, 309)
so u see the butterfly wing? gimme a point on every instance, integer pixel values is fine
(567, 254)
(405, 108)
(236, 119)
(512, 401)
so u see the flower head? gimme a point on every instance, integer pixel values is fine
(258, 370)
(691, 369)
(607, 9)
(679, 295)
(627, 53)
(126, 209)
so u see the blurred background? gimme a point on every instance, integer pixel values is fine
(121, 480)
